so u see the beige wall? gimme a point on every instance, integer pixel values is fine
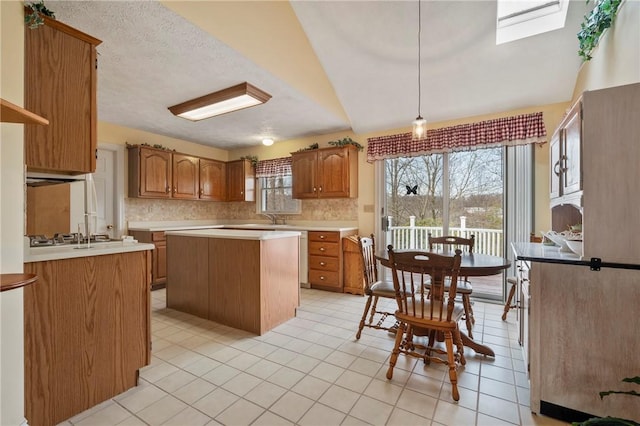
(11, 216)
(616, 59)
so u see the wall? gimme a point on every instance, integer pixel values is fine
(616, 59)
(11, 216)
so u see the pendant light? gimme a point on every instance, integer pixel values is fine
(419, 124)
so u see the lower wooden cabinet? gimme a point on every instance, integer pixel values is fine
(158, 256)
(325, 259)
(353, 279)
(86, 332)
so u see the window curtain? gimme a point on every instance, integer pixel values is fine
(508, 131)
(274, 167)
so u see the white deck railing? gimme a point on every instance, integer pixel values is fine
(488, 241)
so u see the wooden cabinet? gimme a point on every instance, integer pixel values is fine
(60, 85)
(158, 173)
(255, 291)
(601, 135)
(158, 256)
(240, 181)
(566, 158)
(576, 311)
(353, 276)
(325, 173)
(213, 180)
(325, 259)
(149, 172)
(555, 158)
(186, 177)
(86, 332)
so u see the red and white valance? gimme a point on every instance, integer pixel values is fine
(510, 131)
(274, 167)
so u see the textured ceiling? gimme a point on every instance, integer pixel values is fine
(152, 58)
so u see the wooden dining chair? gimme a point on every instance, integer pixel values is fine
(423, 312)
(512, 303)
(464, 287)
(373, 288)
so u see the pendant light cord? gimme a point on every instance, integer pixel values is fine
(419, 58)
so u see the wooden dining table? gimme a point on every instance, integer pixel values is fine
(471, 265)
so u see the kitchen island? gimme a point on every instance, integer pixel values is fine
(86, 326)
(243, 279)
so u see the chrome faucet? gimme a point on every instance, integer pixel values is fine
(272, 217)
(276, 219)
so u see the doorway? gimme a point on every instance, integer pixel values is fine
(109, 184)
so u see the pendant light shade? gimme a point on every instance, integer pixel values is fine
(419, 124)
(419, 128)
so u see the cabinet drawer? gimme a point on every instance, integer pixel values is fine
(323, 263)
(332, 237)
(328, 278)
(322, 248)
(158, 236)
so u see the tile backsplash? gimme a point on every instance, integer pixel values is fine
(140, 209)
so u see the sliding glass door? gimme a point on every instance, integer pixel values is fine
(459, 193)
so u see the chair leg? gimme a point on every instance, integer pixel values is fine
(507, 305)
(364, 316)
(468, 314)
(396, 350)
(373, 309)
(457, 339)
(453, 375)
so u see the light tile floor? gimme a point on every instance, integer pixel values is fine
(312, 371)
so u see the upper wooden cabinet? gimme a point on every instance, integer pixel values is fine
(158, 173)
(186, 177)
(213, 180)
(325, 173)
(240, 181)
(60, 85)
(566, 157)
(150, 172)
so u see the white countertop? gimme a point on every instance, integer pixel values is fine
(538, 252)
(203, 224)
(235, 234)
(69, 251)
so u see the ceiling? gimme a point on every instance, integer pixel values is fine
(330, 66)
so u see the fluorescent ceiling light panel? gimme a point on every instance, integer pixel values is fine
(525, 18)
(227, 100)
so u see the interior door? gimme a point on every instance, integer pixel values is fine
(104, 178)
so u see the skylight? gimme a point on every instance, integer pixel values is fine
(524, 18)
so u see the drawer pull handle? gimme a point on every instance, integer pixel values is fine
(321, 278)
(322, 237)
(323, 263)
(322, 249)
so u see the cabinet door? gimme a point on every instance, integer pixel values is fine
(303, 171)
(572, 159)
(556, 166)
(240, 181)
(60, 85)
(333, 173)
(213, 180)
(186, 177)
(155, 173)
(160, 263)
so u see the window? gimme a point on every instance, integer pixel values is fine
(275, 187)
(524, 18)
(274, 196)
